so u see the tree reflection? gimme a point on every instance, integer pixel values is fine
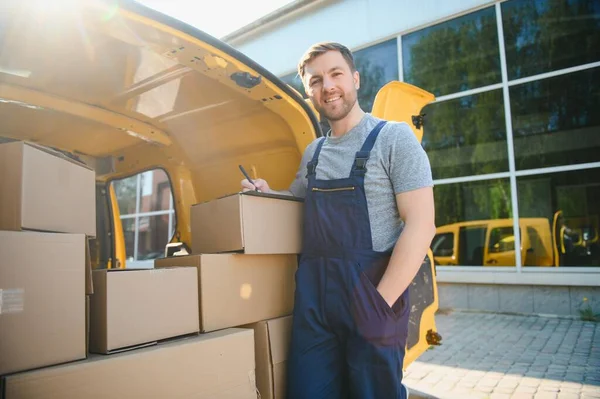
(547, 35)
(466, 136)
(454, 56)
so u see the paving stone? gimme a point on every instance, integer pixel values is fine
(505, 390)
(526, 389)
(572, 385)
(485, 389)
(568, 395)
(519, 395)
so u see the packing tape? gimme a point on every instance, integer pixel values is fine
(12, 300)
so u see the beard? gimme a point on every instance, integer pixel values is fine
(341, 108)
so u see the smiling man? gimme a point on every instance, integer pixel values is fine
(368, 222)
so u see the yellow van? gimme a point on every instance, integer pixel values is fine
(129, 91)
(492, 243)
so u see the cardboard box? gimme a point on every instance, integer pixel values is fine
(42, 299)
(130, 308)
(41, 189)
(219, 365)
(238, 289)
(249, 223)
(272, 342)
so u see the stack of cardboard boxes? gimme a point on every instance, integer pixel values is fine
(245, 247)
(214, 324)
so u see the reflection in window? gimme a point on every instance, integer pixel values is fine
(148, 231)
(548, 35)
(453, 56)
(466, 136)
(471, 242)
(502, 239)
(377, 65)
(126, 193)
(468, 211)
(443, 244)
(153, 235)
(555, 120)
(462, 202)
(129, 236)
(562, 214)
(293, 79)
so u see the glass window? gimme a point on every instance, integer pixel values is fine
(147, 231)
(466, 136)
(502, 239)
(471, 242)
(153, 236)
(561, 214)
(556, 120)
(469, 210)
(443, 244)
(377, 66)
(548, 35)
(129, 236)
(453, 56)
(293, 79)
(126, 193)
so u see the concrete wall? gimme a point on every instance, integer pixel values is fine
(355, 23)
(528, 299)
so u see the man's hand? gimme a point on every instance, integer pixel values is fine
(259, 184)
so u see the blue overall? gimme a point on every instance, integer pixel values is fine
(347, 342)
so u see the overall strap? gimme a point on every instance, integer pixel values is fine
(311, 166)
(359, 168)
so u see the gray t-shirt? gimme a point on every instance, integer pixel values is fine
(397, 164)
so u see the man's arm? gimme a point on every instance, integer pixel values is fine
(417, 209)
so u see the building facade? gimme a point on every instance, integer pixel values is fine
(513, 135)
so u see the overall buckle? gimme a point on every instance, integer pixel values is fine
(361, 160)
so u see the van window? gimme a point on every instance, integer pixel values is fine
(471, 245)
(443, 244)
(147, 215)
(502, 239)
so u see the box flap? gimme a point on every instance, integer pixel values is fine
(279, 380)
(97, 339)
(280, 331)
(11, 175)
(58, 154)
(217, 225)
(89, 285)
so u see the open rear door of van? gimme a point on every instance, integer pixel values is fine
(402, 102)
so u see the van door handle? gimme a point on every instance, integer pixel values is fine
(492, 261)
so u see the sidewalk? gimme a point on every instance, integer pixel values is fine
(505, 356)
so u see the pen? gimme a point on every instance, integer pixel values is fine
(248, 177)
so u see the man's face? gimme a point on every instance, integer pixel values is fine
(331, 85)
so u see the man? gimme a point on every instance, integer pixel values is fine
(369, 221)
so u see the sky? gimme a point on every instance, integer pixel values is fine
(217, 18)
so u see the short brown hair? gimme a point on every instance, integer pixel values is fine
(321, 48)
